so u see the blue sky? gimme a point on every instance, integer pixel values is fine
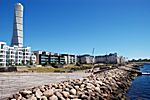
(76, 26)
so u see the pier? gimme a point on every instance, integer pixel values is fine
(145, 73)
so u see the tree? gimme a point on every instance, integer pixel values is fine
(27, 62)
(23, 63)
(31, 62)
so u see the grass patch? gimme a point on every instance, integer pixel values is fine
(44, 69)
(66, 69)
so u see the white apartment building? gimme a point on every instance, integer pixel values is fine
(15, 55)
(33, 58)
(110, 59)
(85, 59)
(70, 59)
(2, 54)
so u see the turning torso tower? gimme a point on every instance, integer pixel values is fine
(17, 38)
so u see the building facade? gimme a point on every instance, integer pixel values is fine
(15, 55)
(44, 58)
(110, 59)
(70, 59)
(85, 59)
(33, 58)
(2, 54)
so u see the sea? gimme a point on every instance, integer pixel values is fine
(140, 87)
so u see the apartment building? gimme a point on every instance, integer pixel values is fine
(112, 58)
(62, 59)
(44, 58)
(32, 58)
(69, 59)
(54, 58)
(15, 55)
(72, 59)
(85, 59)
(2, 54)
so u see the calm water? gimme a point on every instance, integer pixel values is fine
(140, 88)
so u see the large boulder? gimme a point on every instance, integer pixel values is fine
(48, 93)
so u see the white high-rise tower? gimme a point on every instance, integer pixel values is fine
(17, 38)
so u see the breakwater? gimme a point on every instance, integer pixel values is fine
(106, 85)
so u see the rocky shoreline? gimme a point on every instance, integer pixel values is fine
(108, 85)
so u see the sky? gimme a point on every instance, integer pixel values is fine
(78, 26)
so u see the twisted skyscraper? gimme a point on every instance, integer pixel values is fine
(17, 38)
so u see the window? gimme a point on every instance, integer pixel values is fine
(1, 56)
(1, 60)
(1, 51)
(2, 46)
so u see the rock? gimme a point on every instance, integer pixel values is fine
(69, 86)
(34, 89)
(38, 93)
(76, 87)
(53, 97)
(86, 79)
(54, 85)
(79, 93)
(75, 99)
(28, 96)
(17, 96)
(42, 88)
(99, 82)
(73, 91)
(25, 92)
(60, 87)
(104, 95)
(83, 96)
(62, 98)
(47, 87)
(58, 94)
(90, 85)
(90, 91)
(23, 98)
(57, 90)
(67, 99)
(82, 86)
(65, 94)
(43, 98)
(50, 86)
(64, 86)
(48, 93)
(32, 97)
(66, 89)
(72, 97)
